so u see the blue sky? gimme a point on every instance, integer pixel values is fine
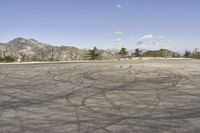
(149, 24)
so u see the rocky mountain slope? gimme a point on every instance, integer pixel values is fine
(32, 50)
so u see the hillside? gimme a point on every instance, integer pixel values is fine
(32, 50)
(160, 53)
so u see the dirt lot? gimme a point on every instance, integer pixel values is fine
(146, 96)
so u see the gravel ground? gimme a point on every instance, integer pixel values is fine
(146, 96)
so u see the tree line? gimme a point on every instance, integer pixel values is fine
(194, 54)
(6, 59)
(96, 54)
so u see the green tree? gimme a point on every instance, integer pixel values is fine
(8, 59)
(123, 52)
(195, 54)
(187, 54)
(137, 52)
(95, 54)
(1, 59)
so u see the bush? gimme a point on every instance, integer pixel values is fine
(52, 59)
(137, 52)
(94, 54)
(8, 59)
(195, 54)
(123, 52)
(1, 59)
(187, 54)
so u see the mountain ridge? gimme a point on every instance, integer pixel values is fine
(21, 49)
(32, 50)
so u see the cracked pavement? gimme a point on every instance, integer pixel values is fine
(144, 96)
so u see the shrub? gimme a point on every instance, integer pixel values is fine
(1, 59)
(94, 54)
(137, 52)
(195, 54)
(187, 54)
(123, 52)
(8, 59)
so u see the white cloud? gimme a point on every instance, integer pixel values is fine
(148, 36)
(151, 42)
(119, 6)
(118, 33)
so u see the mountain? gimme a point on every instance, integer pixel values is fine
(33, 50)
(160, 53)
(2, 49)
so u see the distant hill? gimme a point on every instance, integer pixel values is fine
(33, 50)
(160, 53)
